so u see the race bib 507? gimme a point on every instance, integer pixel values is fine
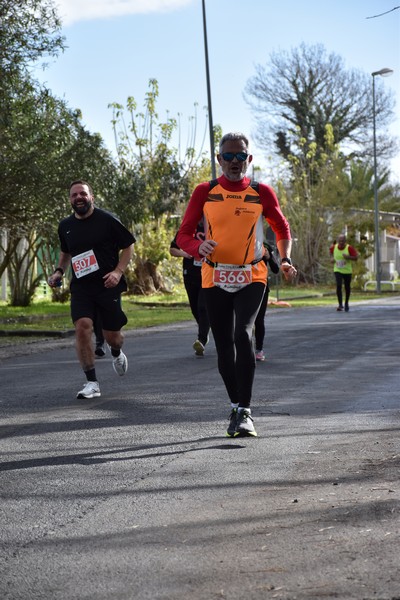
(84, 263)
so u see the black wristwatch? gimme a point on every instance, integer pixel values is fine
(286, 260)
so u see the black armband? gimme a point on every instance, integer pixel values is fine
(286, 260)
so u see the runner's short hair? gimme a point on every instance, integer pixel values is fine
(82, 182)
(233, 137)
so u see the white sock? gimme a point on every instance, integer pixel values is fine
(234, 405)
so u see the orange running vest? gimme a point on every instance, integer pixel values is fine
(235, 221)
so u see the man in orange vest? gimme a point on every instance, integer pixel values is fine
(234, 274)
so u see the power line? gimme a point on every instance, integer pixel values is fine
(384, 13)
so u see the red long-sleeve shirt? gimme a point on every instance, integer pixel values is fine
(270, 209)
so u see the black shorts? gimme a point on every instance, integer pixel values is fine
(104, 304)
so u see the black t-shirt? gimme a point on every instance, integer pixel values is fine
(101, 233)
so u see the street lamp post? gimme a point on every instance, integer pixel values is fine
(382, 72)
(210, 118)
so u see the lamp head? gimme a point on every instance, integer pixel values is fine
(384, 72)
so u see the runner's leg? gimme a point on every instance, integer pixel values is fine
(347, 287)
(259, 324)
(221, 314)
(339, 280)
(246, 305)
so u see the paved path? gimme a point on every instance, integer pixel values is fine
(138, 495)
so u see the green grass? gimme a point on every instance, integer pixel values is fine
(159, 309)
(308, 296)
(51, 316)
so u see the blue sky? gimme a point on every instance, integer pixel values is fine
(116, 46)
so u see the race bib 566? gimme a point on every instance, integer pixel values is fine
(232, 277)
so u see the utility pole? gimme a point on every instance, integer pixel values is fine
(210, 118)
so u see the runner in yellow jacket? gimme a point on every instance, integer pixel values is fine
(343, 255)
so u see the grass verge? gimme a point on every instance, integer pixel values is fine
(150, 311)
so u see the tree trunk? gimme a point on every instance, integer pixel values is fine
(145, 280)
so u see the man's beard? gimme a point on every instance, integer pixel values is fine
(82, 210)
(236, 175)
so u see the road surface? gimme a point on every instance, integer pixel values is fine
(138, 495)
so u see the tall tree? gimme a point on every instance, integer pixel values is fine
(43, 146)
(42, 149)
(156, 176)
(29, 30)
(298, 93)
(324, 196)
(307, 202)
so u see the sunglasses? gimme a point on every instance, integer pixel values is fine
(240, 156)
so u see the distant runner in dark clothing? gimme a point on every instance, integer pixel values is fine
(192, 283)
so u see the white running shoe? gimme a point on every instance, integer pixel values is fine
(120, 364)
(198, 348)
(245, 423)
(91, 389)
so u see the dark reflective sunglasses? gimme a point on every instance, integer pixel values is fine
(240, 156)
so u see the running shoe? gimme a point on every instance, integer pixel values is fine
(346, 308)
(260, 355)
(230, 432)
(340, 309)
(91, 389)
(198, 348)
(245, 424)
(100, 350)
(120, 364)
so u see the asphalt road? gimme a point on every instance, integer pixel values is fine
(139, 495)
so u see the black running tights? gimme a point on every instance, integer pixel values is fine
(343, 278)
(198, 307)
(259, 324)
(232, 317)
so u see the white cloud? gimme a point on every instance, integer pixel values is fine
(72, 11)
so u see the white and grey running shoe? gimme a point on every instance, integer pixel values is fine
(245, 424)
(198, 348)
(120, 364)
(91, 389)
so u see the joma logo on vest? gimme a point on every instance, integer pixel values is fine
(233, 196)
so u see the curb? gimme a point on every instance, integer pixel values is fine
(37, 333)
